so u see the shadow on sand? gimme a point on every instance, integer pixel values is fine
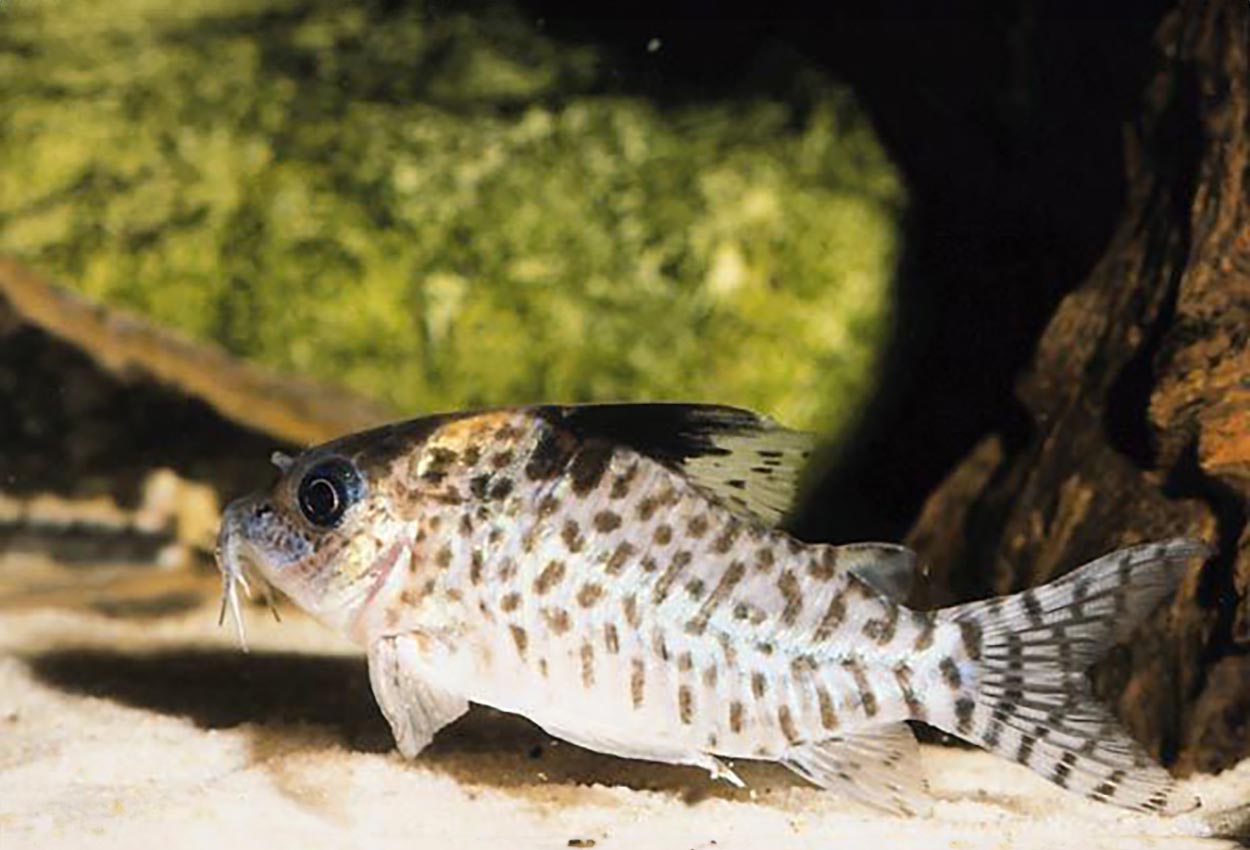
(294, 704)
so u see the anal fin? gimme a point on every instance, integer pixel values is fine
(878, 766)
(415, 708)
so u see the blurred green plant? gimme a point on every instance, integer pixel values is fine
(446, 210)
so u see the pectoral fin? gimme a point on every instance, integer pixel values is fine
(415, 708)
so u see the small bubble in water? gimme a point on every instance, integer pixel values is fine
(653, 45)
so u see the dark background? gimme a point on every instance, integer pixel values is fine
(1007, 123)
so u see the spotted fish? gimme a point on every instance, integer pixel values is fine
(615, 573)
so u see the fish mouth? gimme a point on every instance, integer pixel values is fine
(380, 572)
(236, 562)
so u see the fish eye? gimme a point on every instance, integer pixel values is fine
(327, 491)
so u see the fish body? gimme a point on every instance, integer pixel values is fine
(616, 574)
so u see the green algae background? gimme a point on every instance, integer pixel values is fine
(446, 209)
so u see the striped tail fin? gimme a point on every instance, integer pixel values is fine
(1025, 694)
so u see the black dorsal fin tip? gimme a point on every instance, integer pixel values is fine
(747, 460)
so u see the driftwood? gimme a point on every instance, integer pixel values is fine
(1138, 395)
(95, 399)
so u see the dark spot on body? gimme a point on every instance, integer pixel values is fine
(588, 665)
(950, 673)
(520, 638)
(664, 583)
(551, 575)
(764, 559)
(882, 630)
(903, 678)
(589, 465)
(647, 507)
(550, 455)
(572, 536)
(685, 704)
(788, 584)
(557, 620)
(725, 541)
(660, 644)
(970, 633)
(621, 483)
(630, 607)
(786, 720)
(479, 486)
(637, 682)
(619, 558)
(863, 687)
(548, 505)
(589, 594)
(802, 665)
(828, 716)
(964, 710)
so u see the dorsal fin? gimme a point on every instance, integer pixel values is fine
(747, 460)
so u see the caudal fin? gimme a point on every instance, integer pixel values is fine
(1025, 693)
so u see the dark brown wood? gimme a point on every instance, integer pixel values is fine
(1138, 395)
(94, 399)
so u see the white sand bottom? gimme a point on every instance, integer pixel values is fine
(162, 734)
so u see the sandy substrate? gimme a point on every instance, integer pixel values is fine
(123, 733)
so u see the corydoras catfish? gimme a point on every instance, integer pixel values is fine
(615, 573)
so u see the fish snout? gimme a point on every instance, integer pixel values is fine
(236, 522)
(246, 524)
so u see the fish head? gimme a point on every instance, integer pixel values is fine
(331, 528)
